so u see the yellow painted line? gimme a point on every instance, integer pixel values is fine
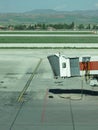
(20, 98)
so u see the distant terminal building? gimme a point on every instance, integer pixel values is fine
(2, 27)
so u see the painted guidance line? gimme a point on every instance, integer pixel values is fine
(28, 82)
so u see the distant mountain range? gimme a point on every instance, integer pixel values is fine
(51, 11)
(50, 16)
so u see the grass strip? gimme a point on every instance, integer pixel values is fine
(46, 32)
(48, 39)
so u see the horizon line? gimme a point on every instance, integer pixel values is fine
(49, 9)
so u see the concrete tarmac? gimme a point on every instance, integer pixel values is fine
(51, 45)
(39, 109)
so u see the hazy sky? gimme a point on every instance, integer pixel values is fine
(28, 5)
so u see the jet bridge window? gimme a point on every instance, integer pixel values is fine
(63, 65)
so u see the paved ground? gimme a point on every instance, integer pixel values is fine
(28, 45)
(36, 111)
(49, 35)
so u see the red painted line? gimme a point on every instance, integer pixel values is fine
(44, 107)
